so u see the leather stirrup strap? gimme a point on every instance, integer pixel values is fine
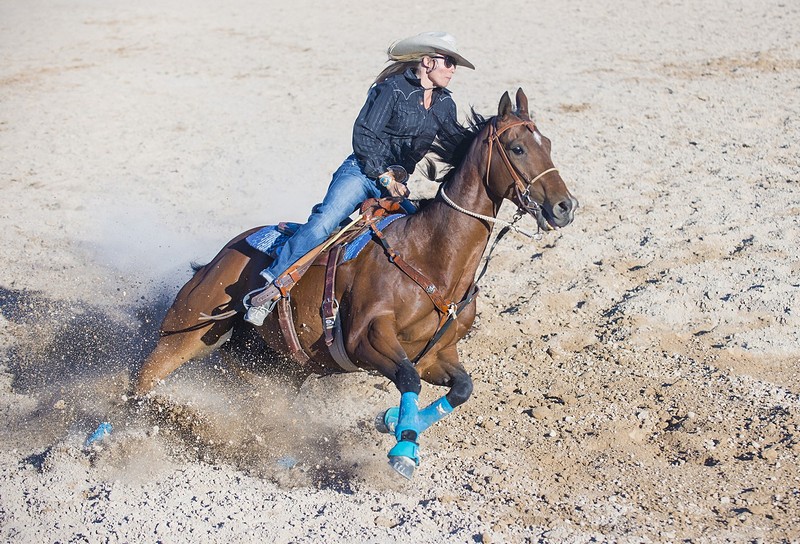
(330, 306)
(288, 279)
(286, 322)
(331, 322)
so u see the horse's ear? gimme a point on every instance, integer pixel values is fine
(505, 105)
(522, 102)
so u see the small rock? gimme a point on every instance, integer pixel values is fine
(770, 455)
(382, 521)
(446, 498)
(542, 413)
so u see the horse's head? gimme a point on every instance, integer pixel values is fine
(521, 170)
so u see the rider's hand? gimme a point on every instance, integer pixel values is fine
(394, 187)
(398, 189)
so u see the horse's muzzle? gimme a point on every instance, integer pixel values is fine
(558, 215)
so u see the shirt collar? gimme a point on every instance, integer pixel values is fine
(412, 78)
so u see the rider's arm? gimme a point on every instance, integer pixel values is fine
(450, 132)
(369, 140)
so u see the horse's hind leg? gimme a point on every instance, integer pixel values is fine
(184, 333)
(170, 353)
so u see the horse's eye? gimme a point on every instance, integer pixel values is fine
(517, 150)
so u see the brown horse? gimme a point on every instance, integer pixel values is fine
(388, 320)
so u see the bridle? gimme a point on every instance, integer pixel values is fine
(522, 188)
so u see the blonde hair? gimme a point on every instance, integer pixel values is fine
(399, 65)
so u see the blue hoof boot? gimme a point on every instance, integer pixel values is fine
(405, 449)
(404, 466)
(387, 421)
(102, 431)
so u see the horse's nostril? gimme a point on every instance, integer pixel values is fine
(563, 208)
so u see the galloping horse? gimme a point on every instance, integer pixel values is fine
(387, 320)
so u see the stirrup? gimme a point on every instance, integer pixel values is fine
(256, 314)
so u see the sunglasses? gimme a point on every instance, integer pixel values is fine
(449, 61)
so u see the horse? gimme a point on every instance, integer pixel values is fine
(387, 319)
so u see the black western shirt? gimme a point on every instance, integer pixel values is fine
(394, 127)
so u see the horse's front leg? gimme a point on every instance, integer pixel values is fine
(404, 456)
(446, 371)
(407, 421)
(382, 348)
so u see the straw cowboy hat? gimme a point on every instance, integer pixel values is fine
(427, 43)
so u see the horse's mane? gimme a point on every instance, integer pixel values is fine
(447, 153)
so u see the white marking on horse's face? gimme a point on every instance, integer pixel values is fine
(538, 137)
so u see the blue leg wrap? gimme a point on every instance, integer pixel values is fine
(427, 416)
(407, 428)
(408, 417)
(433, 413)
(405, 449)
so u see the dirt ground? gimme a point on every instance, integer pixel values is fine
(636, 373)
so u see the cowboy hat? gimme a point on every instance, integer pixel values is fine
(427, 43)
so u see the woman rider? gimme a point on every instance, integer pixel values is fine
(407, 107)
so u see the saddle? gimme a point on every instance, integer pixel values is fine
(373, 212)
(326, 254)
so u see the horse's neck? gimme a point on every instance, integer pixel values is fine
(458, 238)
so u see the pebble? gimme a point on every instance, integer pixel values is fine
(770, 454)
(382, 521)
(446, 498)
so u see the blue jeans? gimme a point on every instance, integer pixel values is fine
(349, 187)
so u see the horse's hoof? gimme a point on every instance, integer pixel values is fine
(403, 465)
(387, 421)
(380, 423)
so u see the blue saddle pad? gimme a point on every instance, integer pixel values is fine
(353, 248)
(270, 239)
